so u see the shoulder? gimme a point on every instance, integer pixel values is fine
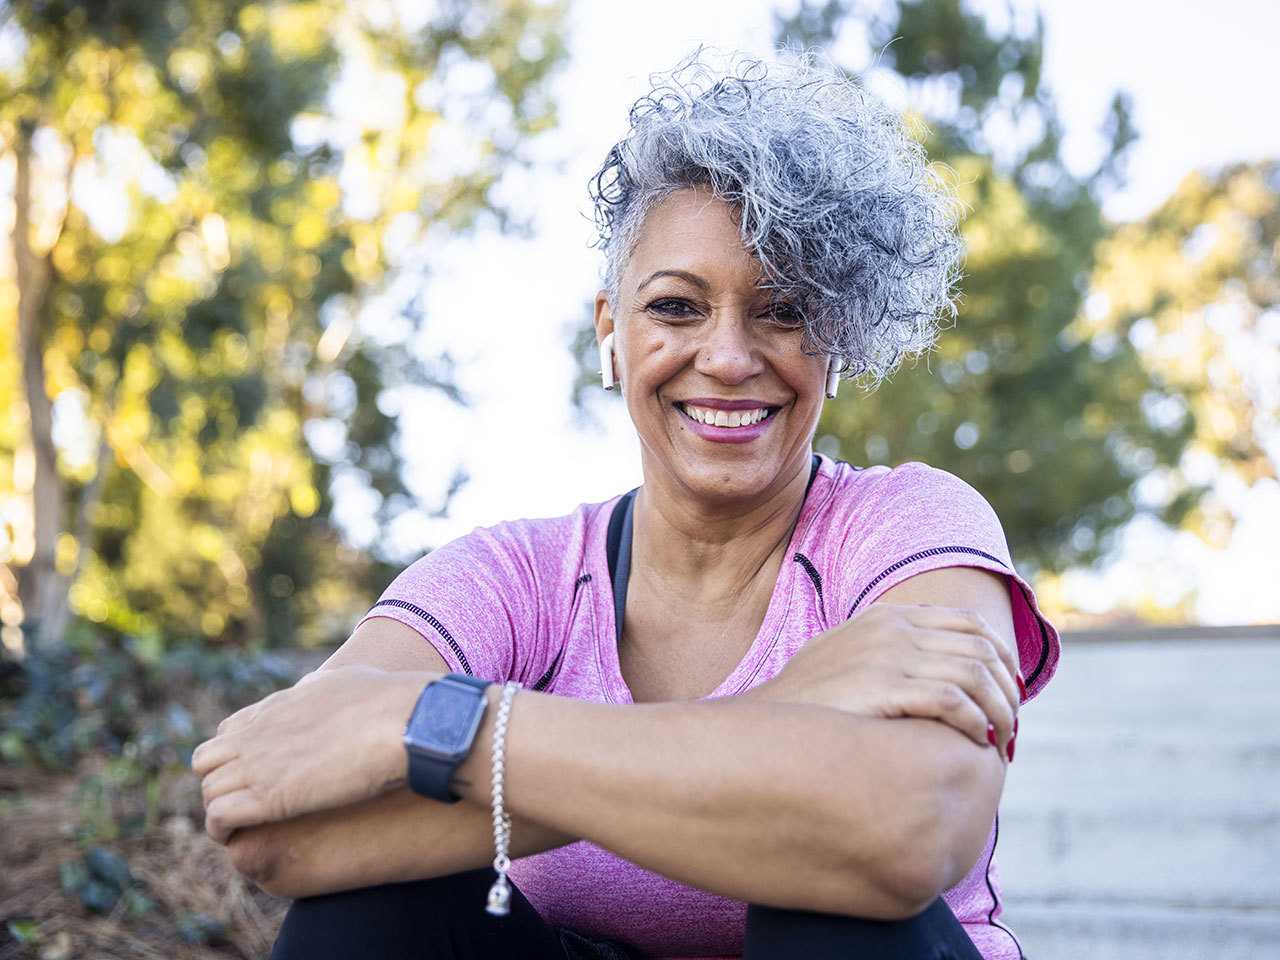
(889, 524)
(914, 489)
(889, 518)
(912, 475)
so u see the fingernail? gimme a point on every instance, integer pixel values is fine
(1009, 749)
(1022, 687)
(1015, 726)
(991, 735)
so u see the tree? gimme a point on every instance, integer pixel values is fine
(1051, 427)
(195, 233)
(1195, 287)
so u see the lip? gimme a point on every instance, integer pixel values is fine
(719, 403)
(726, 434)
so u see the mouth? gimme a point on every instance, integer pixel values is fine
(725, 419)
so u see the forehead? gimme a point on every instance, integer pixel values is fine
(694, 230)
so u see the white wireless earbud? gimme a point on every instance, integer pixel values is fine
(606, 362)
(833, 375)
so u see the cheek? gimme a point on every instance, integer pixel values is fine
(807, 380)
(656, 346)
(653, 361)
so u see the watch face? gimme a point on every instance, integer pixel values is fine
(446, 718)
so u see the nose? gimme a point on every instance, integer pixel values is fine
(727, 352)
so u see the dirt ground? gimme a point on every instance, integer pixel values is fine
(187, 877)
(185, 900)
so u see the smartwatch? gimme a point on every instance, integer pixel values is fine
(440, 732)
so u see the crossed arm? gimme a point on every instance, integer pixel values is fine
(789, 805)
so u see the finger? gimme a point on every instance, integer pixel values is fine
(238, 719)
(945, 701)
(975, 647)
(230, 812)
(975, 679)
(246, 715)
(211, 754)
(227, 778)
(967, 621)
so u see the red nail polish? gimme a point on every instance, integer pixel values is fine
(1022, 687)
(991, 735)
(1015, 726)
(1009, 749)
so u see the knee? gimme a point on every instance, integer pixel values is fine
(420, 896)
(382, 920)
(396, 919)
(774, 933)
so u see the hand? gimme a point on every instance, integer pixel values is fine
(332, 739)
(907, 660)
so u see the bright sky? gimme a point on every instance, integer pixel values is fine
(1200, 74)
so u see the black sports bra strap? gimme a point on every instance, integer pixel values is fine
(624, 566)
(618, 546)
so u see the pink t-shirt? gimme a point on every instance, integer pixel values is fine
(531, 600)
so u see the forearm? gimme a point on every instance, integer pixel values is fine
(783, 804)
(395, 837)
(787, 805)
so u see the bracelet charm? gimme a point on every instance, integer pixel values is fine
(499, 902)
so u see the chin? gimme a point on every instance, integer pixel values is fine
(725, 479)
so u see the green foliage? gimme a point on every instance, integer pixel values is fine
(117, 699)
(100, 879)
(210, 321)
(1197, 285)
(1050, 428)
(24, 930)
(201, 928)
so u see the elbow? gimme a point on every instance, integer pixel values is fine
(938, 827)
(888, 895)
(256, 856)
(899, 874)
(914, 885)
(950, 828)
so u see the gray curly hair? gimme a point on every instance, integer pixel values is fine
(832, 196)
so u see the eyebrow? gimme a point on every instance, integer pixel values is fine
(693, 278)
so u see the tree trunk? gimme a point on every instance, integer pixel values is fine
(42, 590)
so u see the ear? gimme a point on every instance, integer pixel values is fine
(603, 316)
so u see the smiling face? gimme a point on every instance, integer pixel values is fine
(706, 332)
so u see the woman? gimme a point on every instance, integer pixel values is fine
(768, 697)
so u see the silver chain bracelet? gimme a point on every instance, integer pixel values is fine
(500, 893)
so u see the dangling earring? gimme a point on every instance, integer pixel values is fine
(833, 375)
(606, 362)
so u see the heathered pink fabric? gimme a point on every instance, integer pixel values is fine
(530, 600)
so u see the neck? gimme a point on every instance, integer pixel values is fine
(709, 551)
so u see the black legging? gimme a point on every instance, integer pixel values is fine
(444, 919)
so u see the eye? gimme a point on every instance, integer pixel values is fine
(668, 305)
(785, 315)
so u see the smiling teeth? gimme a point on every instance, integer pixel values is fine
(725, 418)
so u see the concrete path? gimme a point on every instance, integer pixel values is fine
(1141, 818)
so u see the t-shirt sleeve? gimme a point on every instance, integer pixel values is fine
(917, 518)
(475, 601)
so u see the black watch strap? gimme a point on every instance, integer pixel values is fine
(428, 775)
